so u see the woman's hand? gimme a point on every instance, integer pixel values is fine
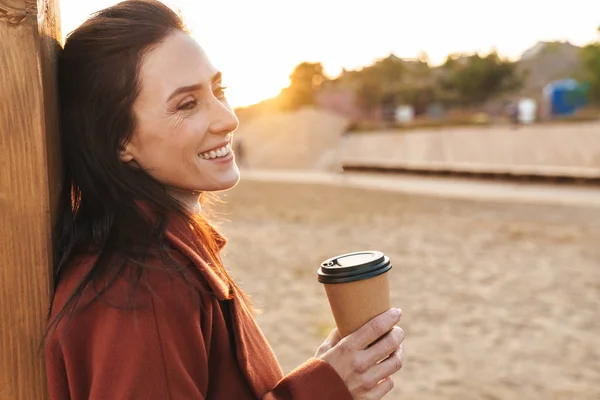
(358, 364)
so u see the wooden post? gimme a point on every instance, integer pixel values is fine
(29, 183)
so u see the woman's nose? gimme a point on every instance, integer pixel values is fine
(224, 120)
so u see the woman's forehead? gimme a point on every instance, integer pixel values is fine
(177, 61)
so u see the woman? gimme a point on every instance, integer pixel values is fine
(143, 307)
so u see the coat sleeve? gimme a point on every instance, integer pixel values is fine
(154, 351)
(313, 380)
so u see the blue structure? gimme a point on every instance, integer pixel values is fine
(566, 96)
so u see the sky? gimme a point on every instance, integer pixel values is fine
(257, 43)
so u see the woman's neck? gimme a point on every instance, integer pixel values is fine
(189, 199)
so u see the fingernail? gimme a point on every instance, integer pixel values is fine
(397, 312)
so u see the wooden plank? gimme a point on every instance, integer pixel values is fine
(29, 184)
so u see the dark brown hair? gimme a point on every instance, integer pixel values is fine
(98, 75)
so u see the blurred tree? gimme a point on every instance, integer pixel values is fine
(380, 81)
(472, 80)
(369, 94)
(305, 81)
(590, 63)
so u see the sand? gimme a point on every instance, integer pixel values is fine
(501, 300)
(303, 139)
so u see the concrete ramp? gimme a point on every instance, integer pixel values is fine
(570, 150)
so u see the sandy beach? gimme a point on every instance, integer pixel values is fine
(501, 300)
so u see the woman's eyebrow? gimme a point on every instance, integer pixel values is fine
(195, 87)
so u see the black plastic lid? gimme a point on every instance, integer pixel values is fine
(353, 267)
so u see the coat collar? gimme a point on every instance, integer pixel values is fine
(180, 234)
(254, 354)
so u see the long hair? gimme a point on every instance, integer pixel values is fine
(99, 212)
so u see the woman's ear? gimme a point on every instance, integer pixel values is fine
(126, 153)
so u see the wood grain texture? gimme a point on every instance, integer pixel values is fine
(17, 11)
(29, 183)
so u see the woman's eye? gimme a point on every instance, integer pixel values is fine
(188, 105)
(220, 92)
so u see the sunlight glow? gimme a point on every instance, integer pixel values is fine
(257, 43)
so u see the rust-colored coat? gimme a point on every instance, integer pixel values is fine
(177, 343)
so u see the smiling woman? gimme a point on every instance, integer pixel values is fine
(143, 307)
(182, 116)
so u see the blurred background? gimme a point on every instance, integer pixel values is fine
(461, 138)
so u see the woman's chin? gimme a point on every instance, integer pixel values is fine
(224, 181)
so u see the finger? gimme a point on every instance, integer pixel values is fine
(388, 367)
(382, 388)
(384, 347)
(374, 329)
(333, 338)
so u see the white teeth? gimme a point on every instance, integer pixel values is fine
(221, 152)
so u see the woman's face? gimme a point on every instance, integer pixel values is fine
(184, 123)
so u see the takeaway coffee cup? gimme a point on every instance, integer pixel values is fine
(357, 286)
